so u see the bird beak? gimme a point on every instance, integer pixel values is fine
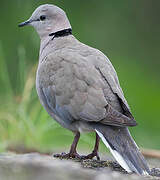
(24, 23)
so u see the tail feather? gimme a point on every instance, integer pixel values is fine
(123, 148)
(117, 156)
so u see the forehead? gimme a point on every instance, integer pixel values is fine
(47, 9)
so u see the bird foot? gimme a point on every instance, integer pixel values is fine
(64, 155)
(91, 156)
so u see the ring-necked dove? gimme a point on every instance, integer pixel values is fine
(79, 88)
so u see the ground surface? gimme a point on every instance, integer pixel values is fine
(34, 166)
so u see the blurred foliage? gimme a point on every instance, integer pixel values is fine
(126, 31)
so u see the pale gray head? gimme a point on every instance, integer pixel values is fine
(48, 19)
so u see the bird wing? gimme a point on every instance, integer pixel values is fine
(78, 84)
(107, 71)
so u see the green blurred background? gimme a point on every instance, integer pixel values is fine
(128, 32)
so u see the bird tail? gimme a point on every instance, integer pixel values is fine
(123, 148)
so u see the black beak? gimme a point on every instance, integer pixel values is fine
(24, 23)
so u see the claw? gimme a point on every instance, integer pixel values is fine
(91, 156)
(67, 156)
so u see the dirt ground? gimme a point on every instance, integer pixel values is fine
(35, 166)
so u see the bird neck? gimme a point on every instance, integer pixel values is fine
(61, 33)
(55, 41)
(56, 27)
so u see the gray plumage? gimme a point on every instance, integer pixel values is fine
(78, 83)
(79, 88)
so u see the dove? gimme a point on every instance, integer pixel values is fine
(79, 88)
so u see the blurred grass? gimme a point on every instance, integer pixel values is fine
(128, 32)
(23, 121)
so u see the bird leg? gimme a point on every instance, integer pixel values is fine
(72, 153)
(95, 150)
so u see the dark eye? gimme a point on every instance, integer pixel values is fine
(42, 18)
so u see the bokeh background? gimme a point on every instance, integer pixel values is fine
(128, 32)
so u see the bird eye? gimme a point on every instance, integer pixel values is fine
(42, 18)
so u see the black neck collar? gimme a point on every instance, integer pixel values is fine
(62, 33)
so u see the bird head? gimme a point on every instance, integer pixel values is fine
(47, 19)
